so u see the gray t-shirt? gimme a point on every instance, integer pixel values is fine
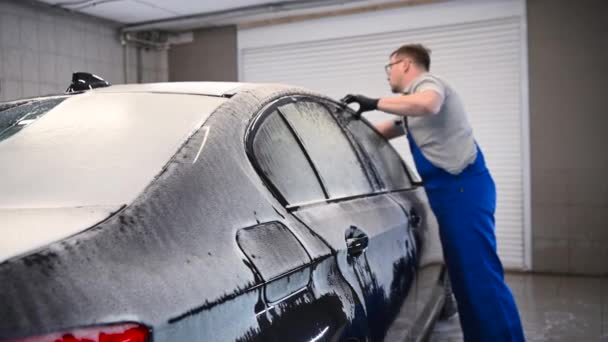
(446, 138)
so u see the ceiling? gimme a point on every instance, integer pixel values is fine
(178, 15)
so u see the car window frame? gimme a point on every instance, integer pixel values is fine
(345, 109)
(250, 133)
(353, 146)
(257, 121)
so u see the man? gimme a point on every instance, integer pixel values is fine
(460, 188)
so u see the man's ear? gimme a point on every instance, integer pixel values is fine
(409, 65)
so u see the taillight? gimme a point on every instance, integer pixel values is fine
(128, 332)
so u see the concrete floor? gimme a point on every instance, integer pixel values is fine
(552, 308)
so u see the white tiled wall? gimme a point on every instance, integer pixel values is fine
(40, 47)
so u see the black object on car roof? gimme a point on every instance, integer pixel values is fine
(84, 81)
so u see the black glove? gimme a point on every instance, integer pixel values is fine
(365, 103)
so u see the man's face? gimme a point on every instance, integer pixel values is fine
(395, 72)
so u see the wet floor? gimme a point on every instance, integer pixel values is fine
(552, 308)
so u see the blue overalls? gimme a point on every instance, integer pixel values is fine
(464, 205)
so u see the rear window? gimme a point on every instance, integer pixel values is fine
(92, 149)
(14, 117)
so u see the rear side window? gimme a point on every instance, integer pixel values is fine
(386, 163)
(329, 149)
(283, 162)
(15, 118)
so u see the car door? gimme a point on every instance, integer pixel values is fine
(367, 228)
(304, 296)
(400, 183)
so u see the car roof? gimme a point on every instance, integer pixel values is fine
(215, 89)
(196, 88)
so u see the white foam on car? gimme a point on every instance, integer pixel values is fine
(24, 230)
(88, 156)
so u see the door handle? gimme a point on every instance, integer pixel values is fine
(356, 241)
(414, 218)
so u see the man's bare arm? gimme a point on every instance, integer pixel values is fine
(389, 129)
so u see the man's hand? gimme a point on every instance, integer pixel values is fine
(365, 103)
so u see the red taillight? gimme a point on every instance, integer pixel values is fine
(129, 332)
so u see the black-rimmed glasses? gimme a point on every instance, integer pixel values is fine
(388, 67)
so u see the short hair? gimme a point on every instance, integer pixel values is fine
(417, 52)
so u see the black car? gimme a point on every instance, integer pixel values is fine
(209, 212)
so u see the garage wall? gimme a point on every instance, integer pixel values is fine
(40, 47)
(568, 54)
(210, 57)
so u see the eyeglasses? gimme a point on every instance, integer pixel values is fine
(388, 67)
